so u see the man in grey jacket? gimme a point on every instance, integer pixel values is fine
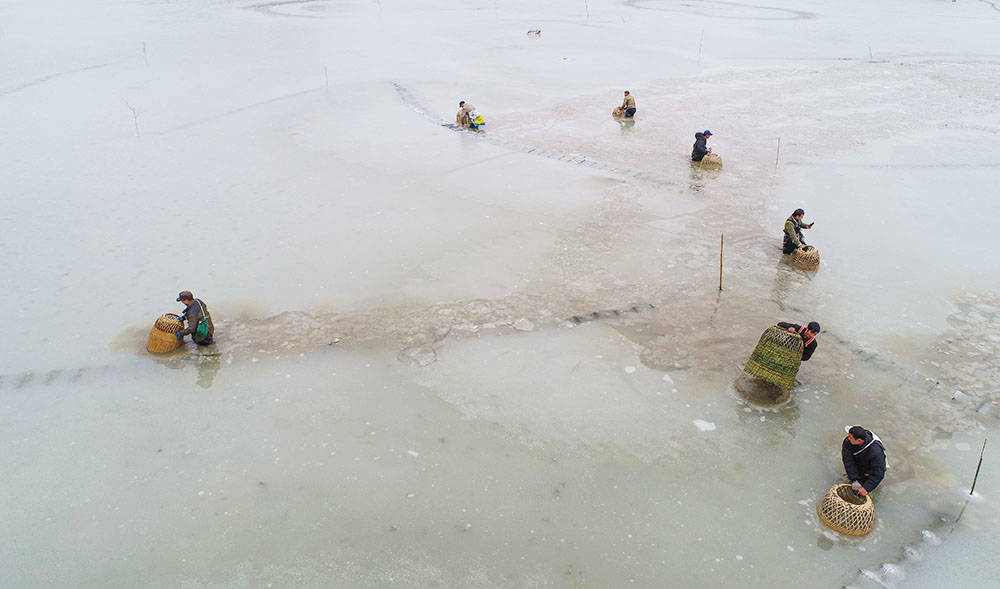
(194, 310)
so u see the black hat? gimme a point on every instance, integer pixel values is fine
(185, 295)
(857, 431)
(813, 327)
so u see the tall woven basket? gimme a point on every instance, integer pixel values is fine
(711, 161)
(777, 357)
(847, 512)
(162, 338)
(806, 260)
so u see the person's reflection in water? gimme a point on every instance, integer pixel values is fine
(697, 182)
(784, 277)
(626, 125)
(208, 367)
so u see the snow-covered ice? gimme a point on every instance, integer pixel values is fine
(495, 305)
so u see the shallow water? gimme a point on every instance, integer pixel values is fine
(494, 359)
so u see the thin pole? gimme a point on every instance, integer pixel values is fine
(135, 118)
(978, 467)
(722, 241)
(700, 41)
(777, 154)
(326, 76)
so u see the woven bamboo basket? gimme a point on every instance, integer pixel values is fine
(711, 161)
(161, 337)
(618, 112)
(777, 357)
(847, 512)
(807, 259)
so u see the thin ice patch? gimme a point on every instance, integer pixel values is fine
(705, 426)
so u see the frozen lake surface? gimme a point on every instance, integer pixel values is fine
(496, 359)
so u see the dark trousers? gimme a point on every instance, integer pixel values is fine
(789, 245)
(629, 113)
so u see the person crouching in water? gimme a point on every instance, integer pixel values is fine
(700, 149)
(808, 334)
(628, 106)
(793, 232)
(194, 311)
(466, 116)
(864, 459)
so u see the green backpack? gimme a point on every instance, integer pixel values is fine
(203, 329)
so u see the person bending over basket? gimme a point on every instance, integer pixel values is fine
(808, 334)
(628, 106)
(701, 149)
(793, 232)
(465, 116)
(864, 459)
(195, 310)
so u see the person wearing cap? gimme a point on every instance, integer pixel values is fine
(628, 105)
(464, 110)
(808, 333)
(194, 310)
(793, 232)
(864, 459)
(700, 149)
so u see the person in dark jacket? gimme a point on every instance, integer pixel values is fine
(194, 310)
(808, 334)
(700, 150)
(864, 459)
(793, 232)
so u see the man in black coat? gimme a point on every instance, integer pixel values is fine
(864, 459)
(808, 334)
(700, 150)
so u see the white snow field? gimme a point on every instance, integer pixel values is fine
(495, 359)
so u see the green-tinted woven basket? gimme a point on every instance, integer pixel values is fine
(777, 357)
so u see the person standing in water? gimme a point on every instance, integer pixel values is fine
(700, 149)
(793, 232)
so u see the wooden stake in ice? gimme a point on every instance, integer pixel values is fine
(777, 154)
(978, 466)
(722, 242)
